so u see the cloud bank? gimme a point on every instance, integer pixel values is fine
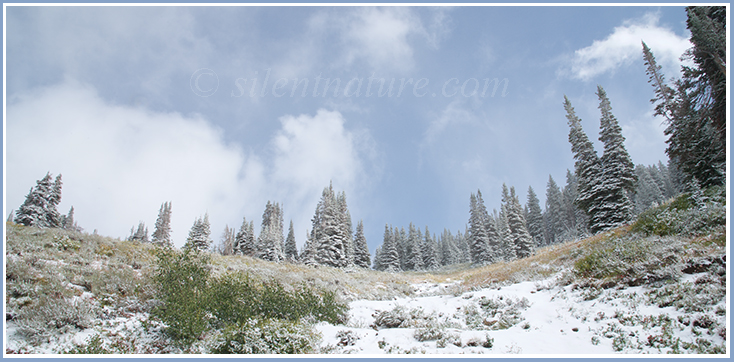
(120, 163)
(623, 46)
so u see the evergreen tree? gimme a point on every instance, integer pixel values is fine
(270, 241)
(378, 265)
(389, 258)
(554, 215)
(429, 249)
(39, 207)
(200, 235)
(226, 246)
(479, 244)
(331, 240)
(523, 242)
(162, 232)
(588, 170)
(695, 105)
(618, 179)
(506, 246)
(413, 258)
(69, 222)
(140, 234)
(534, 218)
(244, 241)
(291, 250)
(463, 247)
(449, 251)
(648, 193)
(361, 251)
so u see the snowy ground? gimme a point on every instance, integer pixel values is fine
(548, 319)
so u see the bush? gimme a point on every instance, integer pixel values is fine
(267, 337)
(181, 279)
(40, 321)
(685, 216)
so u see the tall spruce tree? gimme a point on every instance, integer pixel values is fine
(389, 258)
(414, 257)
(553, 212)
(361, 251)
(270, 241)
(200, 235)
(521, 238)
(244, 241)
(479, 244)
(40, 206)
(226, 245)
(429, 249)
(331, 237)
(618, 179)
(588, 170)
(162, 232)
(695, 105)
(69, 222)
(534, 218)
(291, 249)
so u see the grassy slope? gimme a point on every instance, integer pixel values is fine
(76, 279)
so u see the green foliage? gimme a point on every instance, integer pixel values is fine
(267, 336)
(46, 316)
(182, 279)
(682, 215)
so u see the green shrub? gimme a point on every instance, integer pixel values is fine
(95, 345)
(267, 337)
(181, 280)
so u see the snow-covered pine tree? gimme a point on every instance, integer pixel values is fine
(69, 222)
(140, 234)
(226, 245)
(618, 179)
(270, 241)
(345, 220)
(309, 251)
(450, 253)
(244, 241)
(429, 249)
(554, 214)
(401, 236)
(648, 193)
(534, 218)
(521, 238)
(377, 264)
(291, 249)
(162, 232)
(479, 246)
(331, 242)
(38, 209)
(506, 246)
(575, 220)
(361, 251)
(414, 257)
(588, 170)
(389, 258)
(200, 235)
(463, 246)
(54, 217)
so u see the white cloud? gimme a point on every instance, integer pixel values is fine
(120, 163)
(623, 47)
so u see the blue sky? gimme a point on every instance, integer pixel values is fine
(140, 105)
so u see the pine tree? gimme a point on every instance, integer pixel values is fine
(429, 249)
(534, 218)
(69, 222)
(618, 179)
(291, 250)
(478, 240)
(450, 253)
(521, 238)
(378, 264)
(554, 215)
(331, 240)
(226, 246)
(244, 242)
(200, 235)
(463, 246)
(389, 258)
(39, 207)
(270, 241)
(414, 257)
(140, 234)
(695, 106)
(648, 193)
(162, 232)
(361, 251)
(588, 170)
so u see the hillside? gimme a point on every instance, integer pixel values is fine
(658, 286)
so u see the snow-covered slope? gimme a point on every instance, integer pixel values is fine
(537, 318)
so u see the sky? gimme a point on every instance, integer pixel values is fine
(406, 109)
